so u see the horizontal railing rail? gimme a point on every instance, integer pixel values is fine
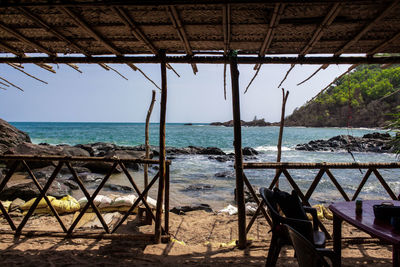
(20, 163)
(324, 168)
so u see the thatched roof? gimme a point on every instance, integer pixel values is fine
(144, 27)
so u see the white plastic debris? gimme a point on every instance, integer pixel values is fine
(231, 210)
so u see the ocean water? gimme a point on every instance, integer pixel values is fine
(189, 170)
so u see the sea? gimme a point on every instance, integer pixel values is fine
(198, 179)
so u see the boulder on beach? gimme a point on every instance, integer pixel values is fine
(11, 136)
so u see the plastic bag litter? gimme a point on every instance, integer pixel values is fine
(231, 210)
(6, 205)
(251, 208)
(42, 204)
(100, 201)
(322, 212)
(124, 201)
(178, 242)
(65, 205)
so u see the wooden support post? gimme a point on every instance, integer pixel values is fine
(161, 185)
(237, 131)
(281, 126)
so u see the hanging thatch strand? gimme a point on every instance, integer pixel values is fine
(109, 67)
(7, 85)
(252, 79)
(24, 72)
(3, 88)
(337, 78)
(13, 85)
(312, 75)
(144, 74)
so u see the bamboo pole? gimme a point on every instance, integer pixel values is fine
(161, 185)
(237, 131)
(147, 145)
(281, 126)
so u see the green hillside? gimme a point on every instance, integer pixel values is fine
(362, 98)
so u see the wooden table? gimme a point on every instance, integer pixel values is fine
(345, 211)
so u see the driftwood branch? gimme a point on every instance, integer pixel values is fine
(281, 127)
(147, 145)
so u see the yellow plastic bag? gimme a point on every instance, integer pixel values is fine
(42, 203)
(178, 242)
(6, 205)
(67, 204)
(327, 213)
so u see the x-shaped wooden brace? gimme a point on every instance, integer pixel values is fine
(381, 180)
(42, 195)
(90, 198)
(13, 167)
(140, 197)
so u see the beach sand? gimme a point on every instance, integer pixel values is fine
(207, 241)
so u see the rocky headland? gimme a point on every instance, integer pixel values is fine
(374, 142)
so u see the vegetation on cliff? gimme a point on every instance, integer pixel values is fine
(363, 98)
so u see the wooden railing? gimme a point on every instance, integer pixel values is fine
(17, 161)
(324, 168)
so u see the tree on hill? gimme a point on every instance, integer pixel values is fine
(362, 98)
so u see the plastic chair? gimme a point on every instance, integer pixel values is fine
(280, 236)
(308, 255)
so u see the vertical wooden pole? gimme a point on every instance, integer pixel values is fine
(237, 132)
(166, 206)
(146, 141)
(161, 184)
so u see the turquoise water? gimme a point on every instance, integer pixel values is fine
(198, 169)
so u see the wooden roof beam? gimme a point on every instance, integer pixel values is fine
(356, 38)
(82, 24)
(226, 27)
(137, 33)
(274, 22)
(383, 45)
(326, 22)
(176, 22)
(367, 28)
(26, 40)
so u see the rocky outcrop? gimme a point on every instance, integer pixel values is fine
(375, 142)
(253, 123)
(11, 136)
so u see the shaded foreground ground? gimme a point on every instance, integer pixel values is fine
(207, 242)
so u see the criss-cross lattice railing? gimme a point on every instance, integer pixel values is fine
(20, 163)
(324, 168)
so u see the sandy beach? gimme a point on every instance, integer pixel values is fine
(198, 238)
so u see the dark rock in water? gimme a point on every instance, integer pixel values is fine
(188, 124)
(44, 150)
(374, 142)
(182, 210)
(223, 158)
(27, 191)
(71, 184)
(227, 174)
(378, 136)
(98, 149)
(88, 177)
(248, 197)
(255, 122)
(46, 172)
(11, 136)
(100, 167)
(199, 187)
(119, 188)
(211, 151)
(248, 151)
(128, 154)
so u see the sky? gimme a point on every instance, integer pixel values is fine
(97, 95)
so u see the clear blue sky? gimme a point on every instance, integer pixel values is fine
(98, 95)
